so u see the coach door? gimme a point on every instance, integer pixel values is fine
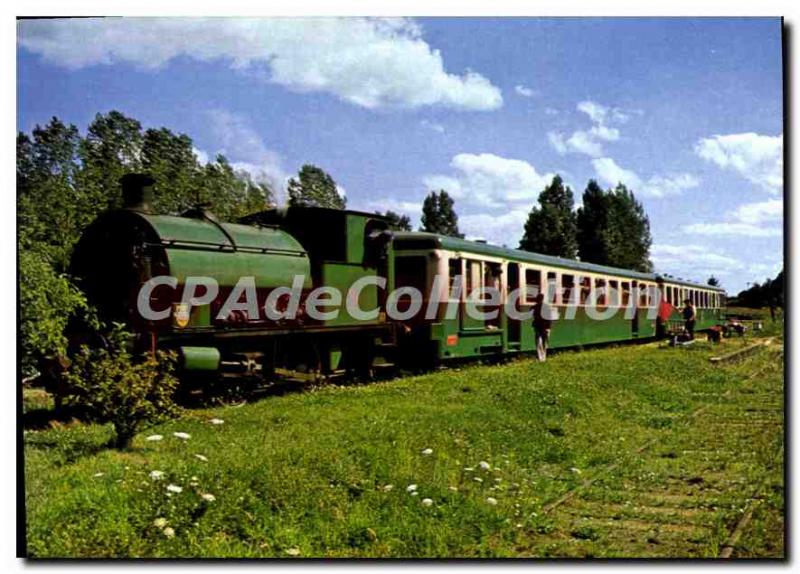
(514, 327)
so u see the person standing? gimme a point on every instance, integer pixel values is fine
(689, 317)
(542, 324)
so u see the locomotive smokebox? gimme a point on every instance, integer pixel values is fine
(137, 191)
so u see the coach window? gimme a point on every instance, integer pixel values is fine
(533, 284)
(613, 293)
(626, 293)
(473, 276)
(601, 296)
(567, 285)
(586, 289)
(454, 270)
(643, 294)
(491, 276)
(552, 294)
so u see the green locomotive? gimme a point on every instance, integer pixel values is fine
(260, 295)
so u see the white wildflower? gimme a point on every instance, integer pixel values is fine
(98, 474)
(478, 479)
(156, 474)
(469, 469)
(201, 457)
(160, 522)
(174, 488)
(411, 488)
(427, 451)
(575, 470)
(169, 532)
(208, 497)
(182, 435)
(498, 480)
(155, 437)
(293, 551)
(217, 421)
(453, 488)
(491, 501)
(484, 465)
(415, 493)
(427, 502)
(388, 488)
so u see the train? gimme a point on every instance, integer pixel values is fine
(132, 256)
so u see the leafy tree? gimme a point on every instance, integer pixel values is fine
(170, 160)
(439, 215)
(51, 208)
(591, 220)
(768, 294)
(108, 385)
(713, 281)
(47, 302)
(628, 234)
(613, 229)
(314, 187)
(551, 228)
(231, 194)
(396, 221)
(111, 148)
(64, 181)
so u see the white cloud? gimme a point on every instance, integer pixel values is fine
(368, 62)
(611, 173)
(756, 157)
(246, 151)
(759, 219)
(201, 155)
(759, 212)
(500, 229)
(491, 181)
(434, 126)
(590, 142)
(523, 91)
(732, 228)
(691, 257)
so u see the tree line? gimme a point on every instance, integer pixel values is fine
(609, 228)
(66, 178)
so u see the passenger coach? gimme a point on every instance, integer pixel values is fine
(419, 257)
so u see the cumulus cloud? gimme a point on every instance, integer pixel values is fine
(368, 62)
(698, 262)
(756, 157)
(691, 260)
(523, 91)
(590, 141)
(490, 180)
(611, 173)
(433, 126)
(498, 229)
(759, 219)
(770, 211)
(245, 149)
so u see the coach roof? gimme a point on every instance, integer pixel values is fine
(422, 240)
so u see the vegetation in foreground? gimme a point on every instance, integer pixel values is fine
(459, 463)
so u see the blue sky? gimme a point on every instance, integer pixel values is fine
(687, 112)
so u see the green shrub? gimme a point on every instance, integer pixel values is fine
(108, 385)
(47, 301)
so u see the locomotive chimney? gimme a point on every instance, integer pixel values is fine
(137, 191)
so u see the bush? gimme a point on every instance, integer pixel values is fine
(108, 385)
(47, 301)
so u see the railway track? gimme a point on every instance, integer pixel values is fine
(692, 492)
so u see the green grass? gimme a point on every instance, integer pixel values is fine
(325, 472)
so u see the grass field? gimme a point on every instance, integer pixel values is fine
(456, 463)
